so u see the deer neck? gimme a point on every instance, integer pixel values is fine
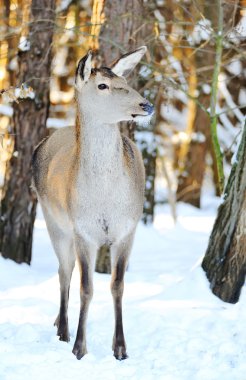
(99, 146)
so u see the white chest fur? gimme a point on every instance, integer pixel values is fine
(106, 205)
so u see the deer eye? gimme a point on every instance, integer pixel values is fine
(103, 86)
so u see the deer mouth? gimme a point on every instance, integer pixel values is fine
(141, 119)
(147, 108)
(138, 114)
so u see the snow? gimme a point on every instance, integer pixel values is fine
(24, 44)
(176, 65)
(198, 137)
(6, 110)
(234, 158)
(145, 139)
(59, 62)
(235, 67)
(12, 95)
(13, 64)
(206, 88)
(202, 32)
(242, 97)
(180, 95)
(145, 71)
(228, 98)
(53, 122)
(24, 92)
(173, 116)
(238, 33)
(64, 4)
(175, 328)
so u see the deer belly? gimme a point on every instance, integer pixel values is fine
(107, 221)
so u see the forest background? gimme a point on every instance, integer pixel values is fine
(194, 73)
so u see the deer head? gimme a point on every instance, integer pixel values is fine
(103, 93)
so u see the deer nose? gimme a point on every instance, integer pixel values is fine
(147, 107)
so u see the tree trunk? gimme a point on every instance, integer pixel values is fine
(18, 206)
(12, 40)
(125, 29)
(192, 170)
(117, 37)
(191, 178)
(122, 30)
(225, 258)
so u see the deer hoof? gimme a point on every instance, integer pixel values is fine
(62, 330)
(79, 352)
(120, 353)
(63, 336)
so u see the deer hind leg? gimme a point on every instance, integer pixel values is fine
(86, 255)
(66, 266)
(64, 249)
(119, 259)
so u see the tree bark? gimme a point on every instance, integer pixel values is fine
(191, 178)
(123, 31)
(117, 37)
(125, 28)
(225, 258)
(18, 206)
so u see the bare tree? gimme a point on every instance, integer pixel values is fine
(18, 206)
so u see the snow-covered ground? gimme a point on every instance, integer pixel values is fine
(175, 328)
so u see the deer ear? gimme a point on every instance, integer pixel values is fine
(83, 70)
(125, 64)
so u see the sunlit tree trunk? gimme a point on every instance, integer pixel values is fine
(191, 178)
(225, 258)
(193, 167)
(11, 19)
(18, 206)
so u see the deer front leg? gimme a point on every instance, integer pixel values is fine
(119, 257)
(86, 260)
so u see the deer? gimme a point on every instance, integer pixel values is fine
(90, 182)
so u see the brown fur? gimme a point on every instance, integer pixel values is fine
(90, 183)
